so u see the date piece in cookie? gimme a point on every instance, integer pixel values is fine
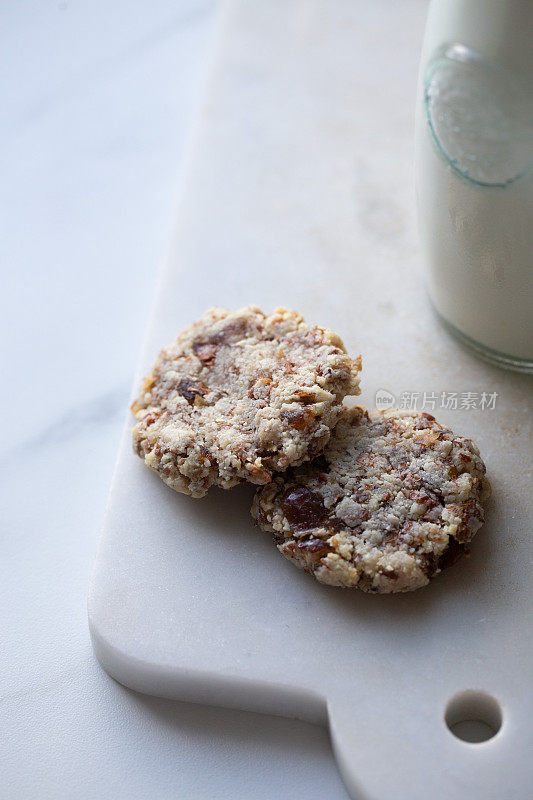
(393, 500)
(241, 395)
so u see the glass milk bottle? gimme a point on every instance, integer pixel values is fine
(474, 173)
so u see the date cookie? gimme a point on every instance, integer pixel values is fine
(393, 500)
(241, 395)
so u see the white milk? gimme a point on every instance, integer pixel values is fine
(474, 153)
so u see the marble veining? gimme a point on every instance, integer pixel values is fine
(97, 99)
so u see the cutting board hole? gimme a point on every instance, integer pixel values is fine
(473, 716)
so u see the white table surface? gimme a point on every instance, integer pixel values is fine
(97, 99)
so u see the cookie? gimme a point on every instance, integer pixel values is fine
(241, 395)
(393, 500)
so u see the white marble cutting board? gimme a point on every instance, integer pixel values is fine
(299, 192)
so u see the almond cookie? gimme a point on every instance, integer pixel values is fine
(393, 500)
(241, 395)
